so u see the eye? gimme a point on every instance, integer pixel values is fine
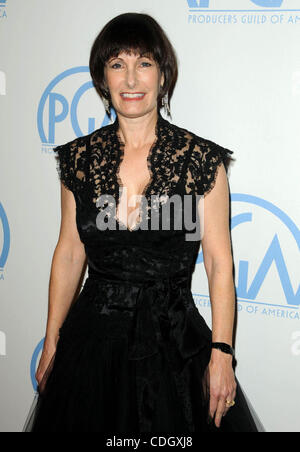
(116, 66)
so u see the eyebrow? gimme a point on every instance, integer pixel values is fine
(119, 58)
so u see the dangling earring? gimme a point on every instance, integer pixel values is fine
(165, 102)
(106, 105)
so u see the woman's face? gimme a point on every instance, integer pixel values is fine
(134, 83)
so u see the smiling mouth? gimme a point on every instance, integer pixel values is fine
(133, 96)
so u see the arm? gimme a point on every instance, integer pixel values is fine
(66, 271)
(218, 264)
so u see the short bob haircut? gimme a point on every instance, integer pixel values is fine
(141, 35)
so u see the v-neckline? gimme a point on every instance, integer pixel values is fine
(118, 181)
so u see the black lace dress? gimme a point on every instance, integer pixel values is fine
(133, 350)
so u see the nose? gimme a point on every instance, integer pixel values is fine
(131, 77)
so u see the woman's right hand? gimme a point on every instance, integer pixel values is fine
(47, 355)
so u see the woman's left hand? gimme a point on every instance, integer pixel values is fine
(222, 385)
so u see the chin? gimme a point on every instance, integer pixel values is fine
(136, 113)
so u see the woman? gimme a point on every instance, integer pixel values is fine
(132, 353)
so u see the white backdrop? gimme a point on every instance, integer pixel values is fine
(239, 85)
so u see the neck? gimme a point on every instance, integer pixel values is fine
(137, 132)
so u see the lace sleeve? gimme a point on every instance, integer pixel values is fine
(212, 158)
(65, 155)
(206, 159)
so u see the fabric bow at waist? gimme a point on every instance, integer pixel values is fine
(165, 319)
(165, 312)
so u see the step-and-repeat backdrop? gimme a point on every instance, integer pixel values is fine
(239, 85)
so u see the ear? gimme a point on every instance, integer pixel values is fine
(162, 80)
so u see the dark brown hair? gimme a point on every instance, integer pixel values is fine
(138, 34)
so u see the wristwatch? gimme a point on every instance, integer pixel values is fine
(225, 348)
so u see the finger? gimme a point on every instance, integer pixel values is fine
(227, 408)
(213, 404)
(220, 411)
(37, 376)
(231, 397)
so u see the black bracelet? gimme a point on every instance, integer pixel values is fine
(225, 348)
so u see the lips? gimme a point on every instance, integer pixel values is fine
(132, 96)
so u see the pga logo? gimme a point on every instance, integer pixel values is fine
(5, 241)
(263, 275)
(70, 99)
(264, 3)
(3, 14)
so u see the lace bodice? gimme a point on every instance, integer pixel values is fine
(178, 157)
